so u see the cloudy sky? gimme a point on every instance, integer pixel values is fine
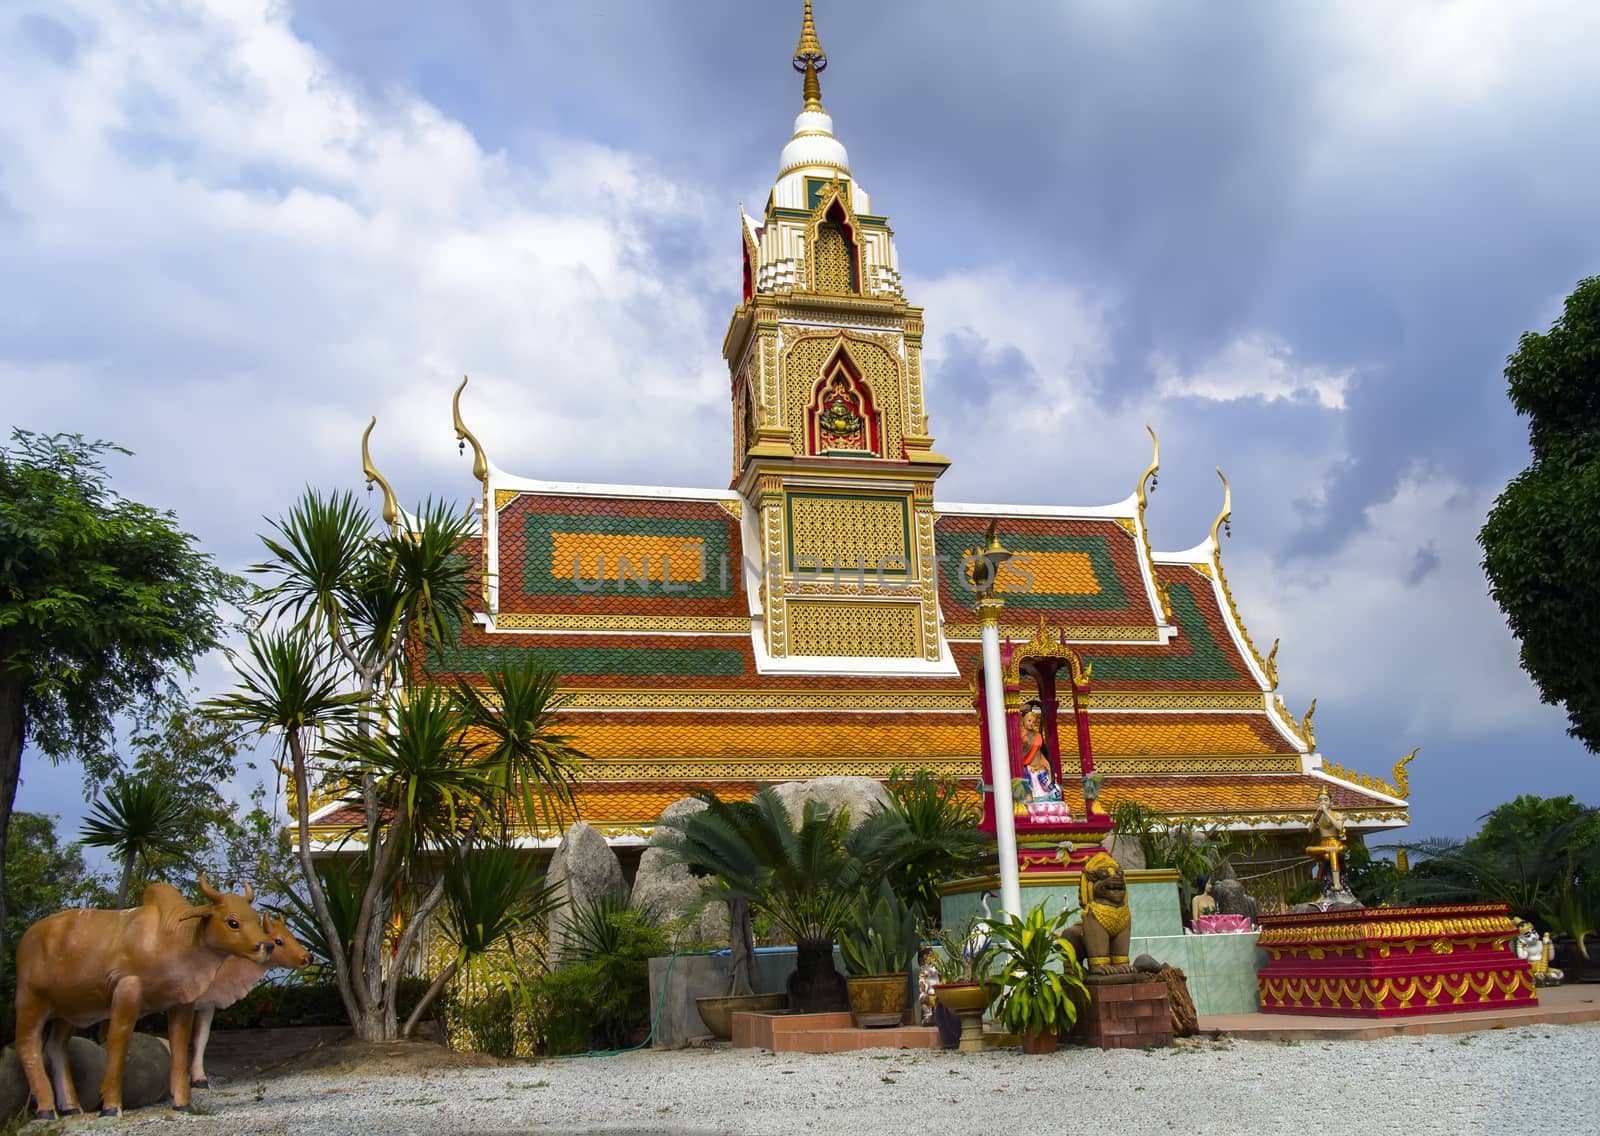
(1300, 240)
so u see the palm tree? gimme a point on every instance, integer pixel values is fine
(136, 820)
(490, 893)
(802, 878)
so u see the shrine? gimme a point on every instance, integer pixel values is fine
(815, 616)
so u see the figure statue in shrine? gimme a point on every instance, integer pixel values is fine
(840, 419)
(1040, 792)
(1328, 826)
(1203, 903)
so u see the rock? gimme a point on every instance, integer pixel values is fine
(85, 1060)
(88, 1064)
(13, 1085)
(666, 887)
(1232, 899)
(147, 1076)
(1125, 850)
(584, 868)
(1148, 963)
(861, 795)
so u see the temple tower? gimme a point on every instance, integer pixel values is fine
(831, 455)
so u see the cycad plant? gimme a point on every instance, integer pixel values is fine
(926, 834)
(802, 878)
(136, 821)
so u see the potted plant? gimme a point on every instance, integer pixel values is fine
(963, 956)
(1041, 981)
(879, 945)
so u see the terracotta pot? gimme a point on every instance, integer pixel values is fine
(962, 997)
(877, 1000)
(717, 1013)
(1039, 1043)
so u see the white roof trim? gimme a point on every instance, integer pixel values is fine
(1199, 554)
(585, 489)
(1128, 508)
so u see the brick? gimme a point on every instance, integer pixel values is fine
(1119, 993)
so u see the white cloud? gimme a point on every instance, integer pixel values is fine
(1252, 366)
(215, 239)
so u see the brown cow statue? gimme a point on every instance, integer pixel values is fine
(75, 968)
(234, 981)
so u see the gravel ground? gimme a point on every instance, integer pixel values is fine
(1531, 1079)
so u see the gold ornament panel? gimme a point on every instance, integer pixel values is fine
(859, 531)
(856, 630)
(876, 359)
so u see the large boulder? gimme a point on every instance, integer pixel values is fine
(665, 886)
(861, 795)
(1125, 850)
(1232, 899)
(86, 1062)
(583, 869)
(147, 1076)
(13, 1085)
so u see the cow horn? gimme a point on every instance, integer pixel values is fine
(208, 891)
(249, 892)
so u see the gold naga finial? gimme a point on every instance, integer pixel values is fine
(810, 60)
(1226, 516)
(1402, 776)
(1148, 477)
(480, 463)
(391, 507)
(1306, 731)
(1147, 485)
(1270, 665)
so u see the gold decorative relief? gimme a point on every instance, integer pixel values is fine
(856, 630)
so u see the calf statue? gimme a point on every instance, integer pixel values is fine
(234, 980)
(76, 968)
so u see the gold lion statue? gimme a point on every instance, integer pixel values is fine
(1101, 937)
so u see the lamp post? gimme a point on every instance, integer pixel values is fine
(1005, 828)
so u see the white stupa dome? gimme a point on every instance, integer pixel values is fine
(813, 144)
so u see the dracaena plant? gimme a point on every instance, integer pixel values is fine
(1041, 982)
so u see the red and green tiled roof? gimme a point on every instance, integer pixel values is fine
(1069, 571)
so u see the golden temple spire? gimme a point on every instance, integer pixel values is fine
(810, 60)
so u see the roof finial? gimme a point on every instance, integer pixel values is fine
(810, 60)
(391, 507)
(480, 463)
(1224, 518)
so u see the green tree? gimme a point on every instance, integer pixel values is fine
(136, 820)
(1542, 537)
(349, 609)
(102, 599)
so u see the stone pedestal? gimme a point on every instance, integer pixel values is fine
(1381, 962)
(1128, 1015)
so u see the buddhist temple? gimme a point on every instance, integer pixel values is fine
(815, 617)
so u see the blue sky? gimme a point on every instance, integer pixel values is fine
(1300, 240)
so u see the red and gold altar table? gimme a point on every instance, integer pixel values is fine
(1382, 962)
